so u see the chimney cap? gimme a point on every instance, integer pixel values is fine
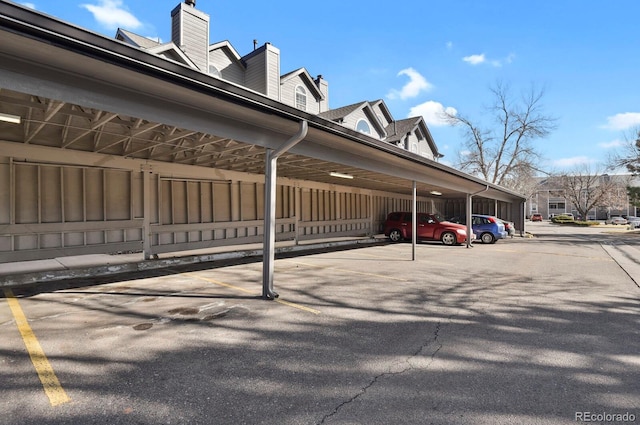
(190, 2)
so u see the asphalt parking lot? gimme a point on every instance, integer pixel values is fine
(528, 330)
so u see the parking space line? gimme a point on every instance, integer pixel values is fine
(351, 271)
(217, 282)
(278, 300)
(57, 395)
(298, 306)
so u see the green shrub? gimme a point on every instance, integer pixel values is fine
(586, 223)
(562, 219)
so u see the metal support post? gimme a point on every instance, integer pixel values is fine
(270, 175)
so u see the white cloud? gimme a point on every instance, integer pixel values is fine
(612, 144)
(432, 112)
(112, 14)
(480, 59)
(29, 5)
(565, 163)
(623, 121)
(417, 84)
(474, 59)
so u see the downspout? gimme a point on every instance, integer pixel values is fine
(270, 173)
(469, 213)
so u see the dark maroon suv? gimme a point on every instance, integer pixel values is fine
(397, 227)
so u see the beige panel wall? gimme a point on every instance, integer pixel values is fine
(53, 210)
(50, 210)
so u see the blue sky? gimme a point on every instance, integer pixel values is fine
(422, 56)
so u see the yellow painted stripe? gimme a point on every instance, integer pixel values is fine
(217, 282)
(298, 306)
(52, 387)
(281, 301)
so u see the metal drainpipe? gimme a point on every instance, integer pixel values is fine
(268, 259)
(469, 213)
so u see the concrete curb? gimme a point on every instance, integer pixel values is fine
(107, 269)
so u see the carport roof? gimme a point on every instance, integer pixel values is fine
(79, 91)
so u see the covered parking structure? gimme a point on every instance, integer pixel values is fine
(106, 148)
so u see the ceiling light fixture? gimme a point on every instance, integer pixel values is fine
(13, 119)
(435, 192)
(341, 175)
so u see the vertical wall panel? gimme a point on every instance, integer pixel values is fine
(193, 205)
(73, 195)
(94, 194)
(137, 194)
(248, 201)
(118, 194)
(26, 193)
(5, 191)
(206, 202)
(51, 194)
(222, 202)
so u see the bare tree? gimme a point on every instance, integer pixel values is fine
(587, 189)
(630, 155)
(505, 154)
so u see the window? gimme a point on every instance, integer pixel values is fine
(556, 205)
(301, 98)
(414, 147)
(363, 127)
(214, 71)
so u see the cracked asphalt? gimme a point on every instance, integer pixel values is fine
(527, 331)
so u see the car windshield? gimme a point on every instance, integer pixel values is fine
(438, 217)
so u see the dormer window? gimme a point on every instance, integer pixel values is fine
(363, 127)
(301, 98)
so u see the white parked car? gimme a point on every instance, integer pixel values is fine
(616, 219)
(633, 221)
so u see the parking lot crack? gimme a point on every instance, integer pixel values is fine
(432, 341)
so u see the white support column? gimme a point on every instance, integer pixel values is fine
(414, 220)
(270, 175)
(470, 213)
(469, 218)
(146, 208)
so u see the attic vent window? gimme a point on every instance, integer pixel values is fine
(301, 98)
(363, 127)
(214, 71)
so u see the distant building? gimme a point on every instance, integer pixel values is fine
(550, 200)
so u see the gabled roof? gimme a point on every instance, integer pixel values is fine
(306, 77)
(229, 50)
(383, 107)
(168, 50)
(398, 129)
(135, 39)
(171, 51)
(340, 114)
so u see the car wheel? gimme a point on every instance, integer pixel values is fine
(448, 238)
(487, 238)
(395, 235)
